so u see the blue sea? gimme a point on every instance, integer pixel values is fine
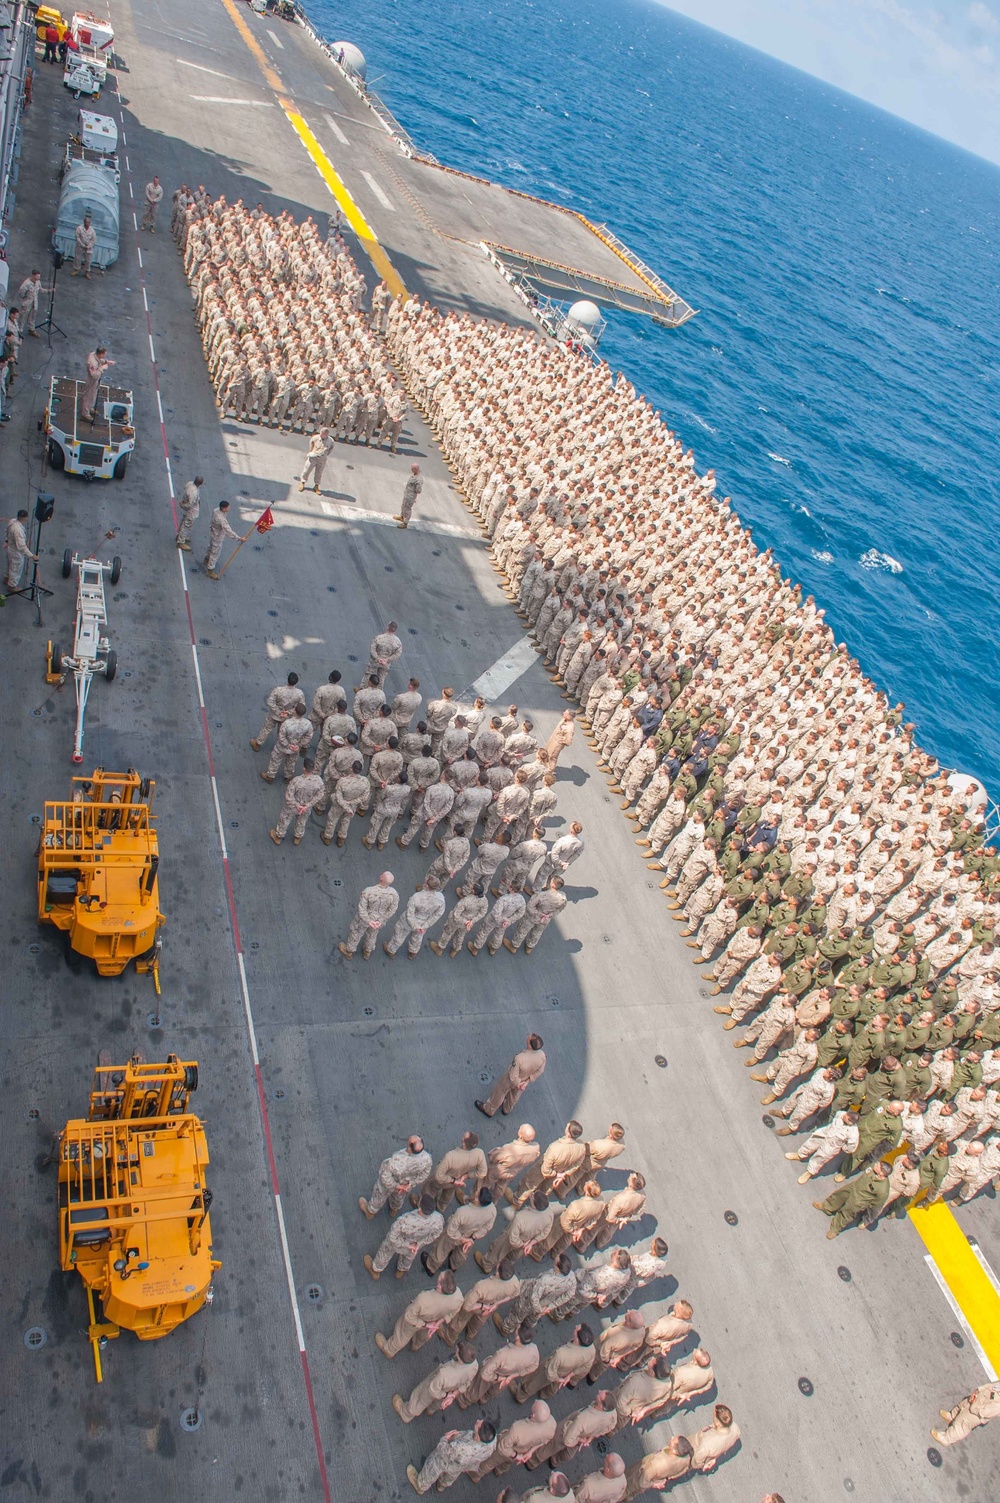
(843, 373)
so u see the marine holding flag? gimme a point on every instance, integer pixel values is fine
(221, 529)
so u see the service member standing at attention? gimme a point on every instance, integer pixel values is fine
(294, 736)
(320, 446)
(376, 906)
(190, 508)
(405, 1170)
(524, 1068)
(440, 1387)
(284, 701)
(456, 1452)
(85, 238)
(411, 491)
(542, 909)
(219, 529)
(302, 794)
(422, 912)
(384, 652)
(404, 1239)
(153, 193)
(423, 1317)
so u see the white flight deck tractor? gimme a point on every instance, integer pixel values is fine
(91, 652)
(97, 450)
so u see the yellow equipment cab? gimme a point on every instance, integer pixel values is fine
(97, 863)
(133, 1202)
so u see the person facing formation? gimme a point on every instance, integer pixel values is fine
(411, 491)
(561, 737)
(152, 193)
(97, 364)
(85, 239)
(320, 447)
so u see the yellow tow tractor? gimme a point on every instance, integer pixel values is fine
(97, 863)
(133, 1202)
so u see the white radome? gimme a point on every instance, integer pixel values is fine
(354, 58)
(970, 791)
(584, 316)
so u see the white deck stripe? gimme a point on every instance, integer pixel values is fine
(276, 39)
(970, 1334)
(202, 69)
(378, 191)
(981, 1260)
(506, 670)
(260, 104)
(337, 131)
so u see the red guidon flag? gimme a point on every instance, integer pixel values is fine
(265, 521)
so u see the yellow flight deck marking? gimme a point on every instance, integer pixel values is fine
(963, 1273)
(321, 161)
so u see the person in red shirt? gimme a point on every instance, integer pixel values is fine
(51, 43)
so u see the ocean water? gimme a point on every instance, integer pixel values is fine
(843, 373)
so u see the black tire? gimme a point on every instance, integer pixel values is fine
(121, 465)
(56, 658)
(111, 666)
(67, 563)
(116, 569)
(57, 458)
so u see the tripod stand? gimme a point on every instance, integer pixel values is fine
(48, 322)
(44, 507)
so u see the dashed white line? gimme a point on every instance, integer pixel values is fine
(378, 191)
(152, 352)
(337, 131)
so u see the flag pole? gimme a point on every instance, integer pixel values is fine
(236, 550)
(247, 536)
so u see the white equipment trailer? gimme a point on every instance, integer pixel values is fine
(91, 651)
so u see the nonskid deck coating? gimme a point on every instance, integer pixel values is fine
(352, 1058)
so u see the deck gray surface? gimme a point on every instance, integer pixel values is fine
(354, 1056)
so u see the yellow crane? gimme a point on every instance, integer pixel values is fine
(133, 1201)
(98, 858)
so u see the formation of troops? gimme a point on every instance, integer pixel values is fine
(280, 313)
(820, 862)
(639, 1365)
(477, 787)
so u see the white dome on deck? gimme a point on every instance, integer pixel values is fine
(585, 315)
(353, 59)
